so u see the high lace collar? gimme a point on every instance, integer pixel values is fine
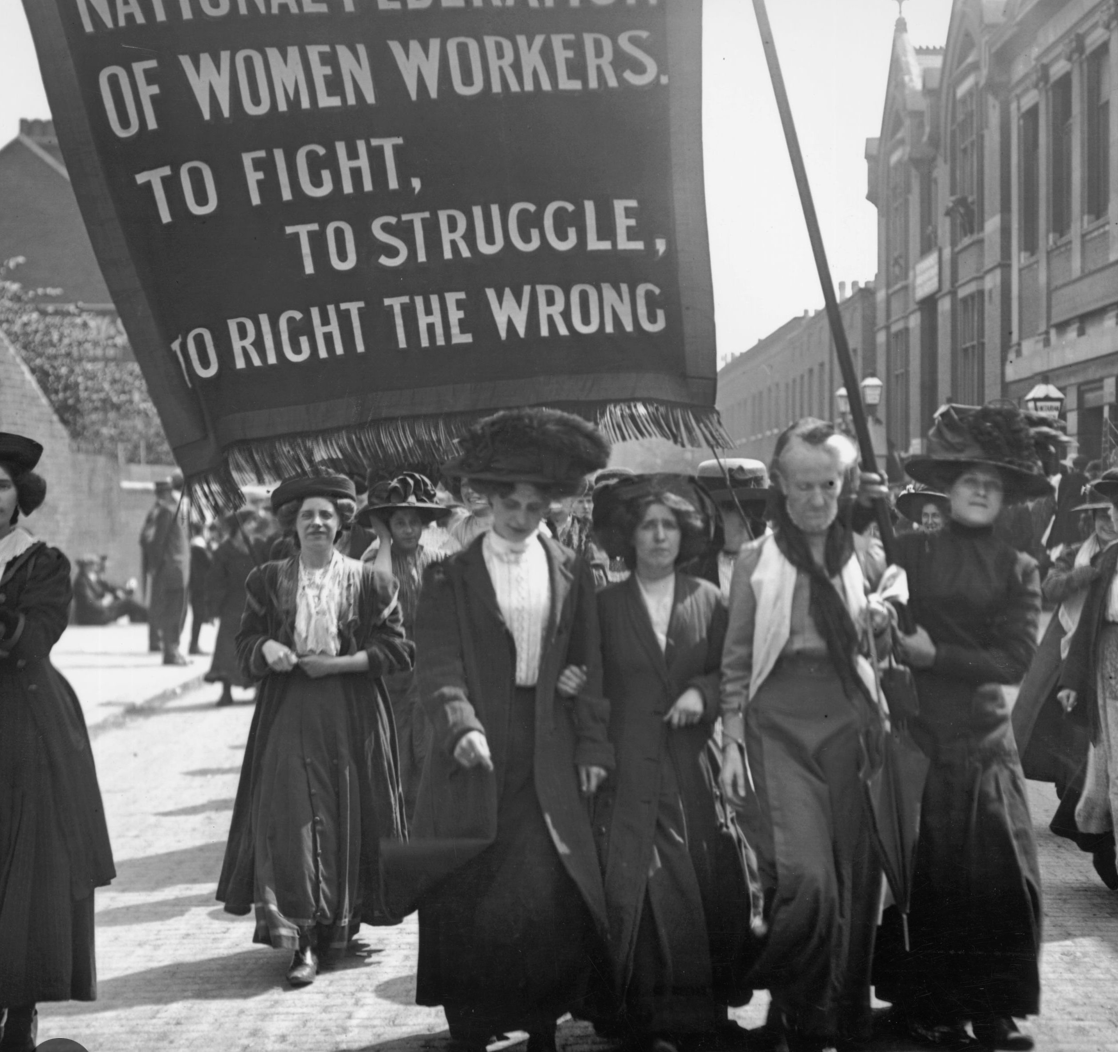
(510, 551)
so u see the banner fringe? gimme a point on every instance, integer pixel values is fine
(425, 443)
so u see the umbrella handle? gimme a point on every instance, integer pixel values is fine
(904, 928)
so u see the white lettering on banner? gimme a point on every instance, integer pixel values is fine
(459, 239)
(212, 81)
(589, 308)
(330, 161)
(199, 198)
(98, 15)
(545, 62)
(429, 318)
(331, 325)
(117, 77)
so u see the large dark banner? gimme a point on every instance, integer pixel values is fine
(332, 223)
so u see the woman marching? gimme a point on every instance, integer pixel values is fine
(976, 901)
(319, 787)
(399, 510)
(511, 909)
(1088, 690)
(54, 847)
(677, 923)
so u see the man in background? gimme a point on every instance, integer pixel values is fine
(166, 559)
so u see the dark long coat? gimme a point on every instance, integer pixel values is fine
(975, 920)
(54, 845)
(225, 600)
(653, 761)
(375, 627)
(466, 667)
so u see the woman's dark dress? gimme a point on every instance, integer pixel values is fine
(675, 948)
(54, 846)
(319, 788)
(502, 864)
(975, 922)
(225, 600)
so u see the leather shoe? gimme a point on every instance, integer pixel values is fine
(1001, 1032)
(19, 1028)
(304, 967)
(175, 657)
(1104, 863)
(952, 1036)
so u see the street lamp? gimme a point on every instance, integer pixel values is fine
(871, 393)
(842, 401)
(1046, 399)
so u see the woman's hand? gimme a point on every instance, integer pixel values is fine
(687, 710)
(1067, 699)
(571, 681)
(279, 657)
(590, 777)
(732, 778)
(318, 665)
(918, 650)
(881, 616)
(871, 487)
(380, 528)
(472, 750)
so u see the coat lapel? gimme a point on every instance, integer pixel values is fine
(479, 583)
(642, 625)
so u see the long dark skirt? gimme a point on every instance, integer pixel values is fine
(413, 733)
(306, 813)
(669, 989)
(506, 942)
(810, 828)
(46, 935)
(974, 925)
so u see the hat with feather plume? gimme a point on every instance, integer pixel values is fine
(407, 491)
(997, 435)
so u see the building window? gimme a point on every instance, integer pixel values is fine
(1060, 164)
(927, 207)
(1097, 128)
(965, 171)
(897, 232)
(969, 379)
(1030, 181)
(896, 397)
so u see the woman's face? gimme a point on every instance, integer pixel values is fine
(517, 516)
(656, 541)
(931, 518)
(317, 524)
(977, 496)
(8, 499)
(1106, 526)
(407, 528)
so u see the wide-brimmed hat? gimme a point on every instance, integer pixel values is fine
(748, 478)
(998, 436)
(21, 452)
(545, 447)
(612, 520)
(332, 487)
(911, 500)
(1104, 488)
(407, 491)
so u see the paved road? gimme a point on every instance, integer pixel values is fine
(179, 974)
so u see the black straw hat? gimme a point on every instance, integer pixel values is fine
(749, 479)
(336, 487)
(999, 436)
(22, 453)
(911, 500)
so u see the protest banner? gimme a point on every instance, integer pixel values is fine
(351, 226)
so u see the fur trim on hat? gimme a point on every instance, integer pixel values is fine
(536, 445)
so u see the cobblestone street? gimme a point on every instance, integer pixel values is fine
(176, 973)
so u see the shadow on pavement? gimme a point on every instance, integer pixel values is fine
(400, 990)
(199, 864)
(225, 804)
(207, 772)
(152, 912)
(231, 977)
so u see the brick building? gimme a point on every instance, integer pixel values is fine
(793, 372)
(40, 220)
(1006, 139)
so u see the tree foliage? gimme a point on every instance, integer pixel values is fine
(81, 360)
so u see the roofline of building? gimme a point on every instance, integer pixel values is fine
(43, 155)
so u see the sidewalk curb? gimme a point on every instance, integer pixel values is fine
(145, 707)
